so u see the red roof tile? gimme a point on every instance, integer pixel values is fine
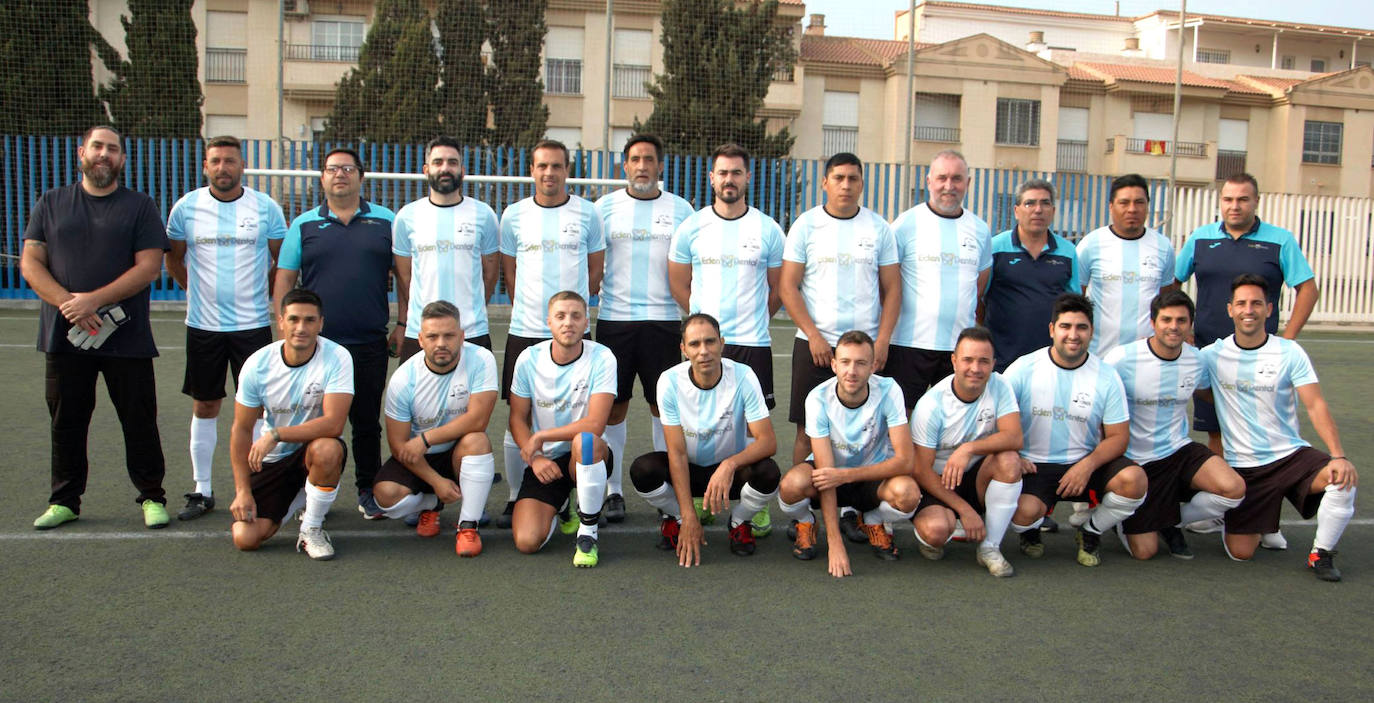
(852, 50)
(1148, 74)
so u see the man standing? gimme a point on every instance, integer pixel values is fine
(1257, 379)
(438, 405)
(550, 242)
(301, 387)
(638, 320)
(224, 238)
(1031, 267)
(90, 251)
(342, 251)
(708, 404)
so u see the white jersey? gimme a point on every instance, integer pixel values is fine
(1256, 398)
(1157, 393)
(941, 259)
(1063, 410)
(293, 395)
(560, 394)
(445, 244)
(1121, 277)
(638, 234)
(714, 421)
(943, 421)
(840, 281)
(426, 399)
(227, 259)
(858, 436)
(550, 246)
(730, 261)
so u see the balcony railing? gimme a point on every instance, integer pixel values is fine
(630, 81)
(1229, 163)
(226, 65)
(1162, 147)
(837, 139)
(563, 76)
(784, 74)
(322, 52)
(1071, 155)
(935, 134)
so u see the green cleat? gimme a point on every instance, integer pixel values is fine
(54, 516)
(154, 515)
(763, 523)
(567, 521)
(703, 515)
(585, 555)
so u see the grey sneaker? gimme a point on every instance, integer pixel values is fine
(316, 543)
(997, 564)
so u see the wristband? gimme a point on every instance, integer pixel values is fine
(426, 441)
(276, 436)
(1337, 457)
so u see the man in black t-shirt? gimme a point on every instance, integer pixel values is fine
(90, 251)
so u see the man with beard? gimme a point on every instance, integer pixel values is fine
(638, 319)
(446, 248)
(90, 251)
(225, 238)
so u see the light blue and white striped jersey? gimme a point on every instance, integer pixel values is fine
(943, 421)
(715, 421)
(730, 261)
(293, 395)
(227, 259)
(1157, 393)
(560, 394)
(445, 244)
(638, 234)
(941, 259)
(1121, 277)
(426, 400)
(858, 436)
(1256, 398)
(840, 281)
(550, 246)
(1063, 410)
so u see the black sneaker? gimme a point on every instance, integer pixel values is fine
(196, 506)
(1088, 547)
(614, 510)
(1031, 545)
(1322, 564)
(849, 527)
(503, 520)
(792, 531)
(1177, 543)
(1049, 525)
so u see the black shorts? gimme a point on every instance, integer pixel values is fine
(967, 489)
(210, 354)
(916, 370)
(645, 349)
(760, 359)
(805, 376)
(1170, 481)
(410, 347)
(652, 468)
(1045, 481)
(1266, 486)
(514, 345)
(861, 496)
(1205, 416)
(276, 486)
(396, 472)
(556, 491)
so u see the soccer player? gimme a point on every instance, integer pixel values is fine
(438, 404)
(301, 386)
(1031, 267)
(1123, 266)
(1160, 374)
(1076, 426)
(342, 251)
(1257, 379)
(966, 430)
(946, 255)
(862, 457)
(708, 402)
(638, 320)
(224, 238)
(550, 242)
(559, 401)
(446, 247)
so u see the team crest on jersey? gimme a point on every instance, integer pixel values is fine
(465, 229)
(969, 245)
(457, 391)
(1266, 370)
(1083, 400)
(751, 244)
(1186, 384)
(663, 219)
(248, 224)
(314, 394)
(984, 416)
(1150, 262)
(866, 243)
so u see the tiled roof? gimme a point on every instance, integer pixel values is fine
(852, 50)
(1269, 83)
(1081, 74)
(1148, 74)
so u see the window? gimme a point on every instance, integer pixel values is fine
(336, 40)
(563, 61)
(1018, 122)
(570, 136)
(936, 118)
(317, 128)
(620, 135)
(632, 63)
(1213, 56)
(1288, 63)
(226, 47)
(1319, 65)
(1321, 142)
(222, 125)
(839, 122)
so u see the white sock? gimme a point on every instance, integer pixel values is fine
(750, 502)
(1112, 509)
(615, 439)
(1205, 506)
(922, 541)
(553, 527)
(664, 499)
(1018, 529)
(660, 444)
(885, 513)
(204, 435)
(1334, 513)
(799, 511)
(515, 466)
(258, 426)
(474, 480)
(317, 502)
(411, 504)
(591, 494)
(999, 505)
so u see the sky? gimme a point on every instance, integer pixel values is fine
(875, 21)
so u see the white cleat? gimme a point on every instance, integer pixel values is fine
(316, 543)
(997, 564)
(1205, 527)
(1081, 513)
(1275, 541)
